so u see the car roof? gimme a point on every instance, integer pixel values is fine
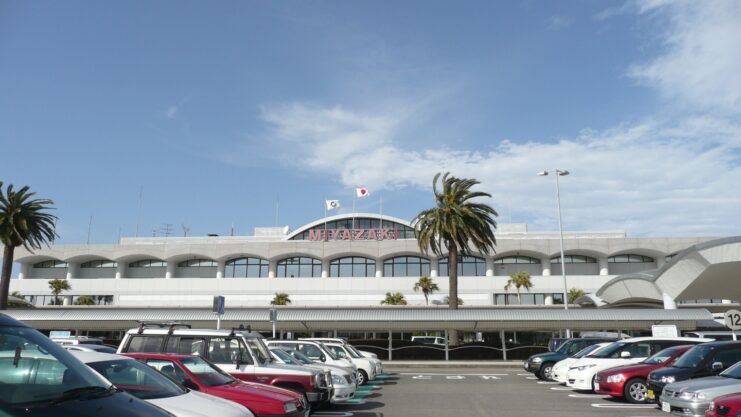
(158, 355)
(682, 339)
(724, 343)
(8, 321)
(195, 332)
(90, 357)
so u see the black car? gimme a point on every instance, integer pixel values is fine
(706, 359)
(38, 378)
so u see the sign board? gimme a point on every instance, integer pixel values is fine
(273, 315)
(59, 334)
(218, 307)
(732, 319)
(664, 330)
(318, 234)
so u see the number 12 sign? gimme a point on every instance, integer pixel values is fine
(733, 319)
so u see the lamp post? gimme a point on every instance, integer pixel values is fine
(560, 173)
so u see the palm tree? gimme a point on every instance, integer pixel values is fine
(23, 221)
(519, 280)
(85, 300)
(427, 285)
(453, 224)
(575, 293)
(281, 299)
(446, 300)
(56, 286)
(394, 299)
(16, 294)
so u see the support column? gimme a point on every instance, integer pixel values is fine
(545, 263)
(120, 270)
(504, 345)
(434, 267)
(72, 269)
(604, 268)
(660, 261)
(379, 268)
(489, 267)
(170, 272)
(548, 300)
(272, 267)
(220, 267)
(325, 268)
(391, 347)
(24, 271)
(669, 303)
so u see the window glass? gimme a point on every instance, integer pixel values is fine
(145, 343)
(574, 259)
(207, 373)
(168, 368)
(352, 266)
(299, 267)
(228, 350)
(197, 263)
(99, 264)
(148, 263)
(638, 350)
(247, 268)
(406, 266)
(728, 357)
(51, 264)
(259, 349)
(468, 266)
(137, 379)
(186, 345)
(661, 356)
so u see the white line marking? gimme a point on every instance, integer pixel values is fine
(588, 396)
(531, 377)
(527, 374)
(561, 389)
(547, 382)
(439, 374)
(624, 406)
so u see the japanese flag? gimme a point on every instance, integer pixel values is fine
(332, 204)
(361, 192)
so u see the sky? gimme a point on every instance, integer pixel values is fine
(232, 115)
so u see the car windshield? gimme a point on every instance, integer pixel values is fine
(207, 373)
(608, 350)
(586, 351)
(35, 370)
(564, 348)
(732, 372)
(349, 352)
(327, 351)
(137, 379)
(285, 357)
(352, 349)
(693, 357)
(259, 349)
(300, 357)
(661, 356)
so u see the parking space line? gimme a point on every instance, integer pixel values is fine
(588, 396)
(562, 389)
(440, 374)
(645, 406)
(547, 382)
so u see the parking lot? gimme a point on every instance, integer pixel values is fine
(476, 392)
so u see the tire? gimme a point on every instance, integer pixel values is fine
(634, 391)
(362, 377)
(545, 371)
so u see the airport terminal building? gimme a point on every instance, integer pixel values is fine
(340, 261)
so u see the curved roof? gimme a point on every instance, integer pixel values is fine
(706, 270)
(319, 222)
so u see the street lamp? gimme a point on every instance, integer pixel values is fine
(560, 173)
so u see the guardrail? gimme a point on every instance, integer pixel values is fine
(473, 351)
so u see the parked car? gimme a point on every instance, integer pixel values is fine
(625, 352)
(341, 340)
(693, 397)
(353, 352)
(541, 364)
(315, 350)
(560, 370)
(66, 388)
(76, 340)
(367, 369)
(429, 340)
(555, 343)
(703, 360)
(147, 384)
(201, 375)
(344, 380)
(725, 406)
(307, 361)
(629, 381)
(90, 348)
(241, 353)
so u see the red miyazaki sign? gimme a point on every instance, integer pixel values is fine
(353, 234)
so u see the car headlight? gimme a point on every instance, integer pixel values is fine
(688, 396)
(537, 360)
(338, 380)
(584, 367)
(668, 379)
(289, 407)
(712, 406)
(615, 378)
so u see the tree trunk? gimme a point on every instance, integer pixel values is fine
(453, 290)
(519, 299)
(5, 276)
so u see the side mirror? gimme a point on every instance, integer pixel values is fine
(188, 383)
(624, 355)
(717, 366)
(322, 358)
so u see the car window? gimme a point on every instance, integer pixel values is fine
(313, 352)
(168, 368)
(728, 357)
(137, 379)
(259, 349)
(300, 357)
(638, 349)
(228, 350)
(145, 343)
(337, 350)
(207, 373)
(186, 345)
(575, 347)
(694, 357)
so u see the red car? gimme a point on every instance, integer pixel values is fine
(725, 406)
(198, 374)
(629, 381)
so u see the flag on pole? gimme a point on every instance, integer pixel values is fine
(332, 204)
(362, 192)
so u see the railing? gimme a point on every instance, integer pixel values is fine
(406, 350)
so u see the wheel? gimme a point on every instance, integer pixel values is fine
(635, 391)
(362, 377)
(545, 371)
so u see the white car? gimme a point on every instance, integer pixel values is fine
(560, 369)
(344, 381)
(367, 370)
(358, 353)
(147, 384)
(624, 352)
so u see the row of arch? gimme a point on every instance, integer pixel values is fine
(352, 266)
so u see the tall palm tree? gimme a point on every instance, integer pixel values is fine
(394, 299)
(281, 299)
(23, 221)
(56, 286)
(85, 300)
(519, 280)
(427, 285)
(446, 300)
(575, 293)
(453, 224)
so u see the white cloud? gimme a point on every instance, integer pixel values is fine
(701, 62)
(558, 22)
(172, 112)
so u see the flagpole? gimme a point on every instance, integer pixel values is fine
(380, 204)
(324, 238)
(354, 193)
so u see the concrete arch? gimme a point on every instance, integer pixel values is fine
(241, 255)
(86, 258)
(319, 222)
(34, 259)
(585, 252)
(335, 256)
(655, 254)
(281, 257)
(188, 256)
(386, 257)
(137, 256)
(512, 253)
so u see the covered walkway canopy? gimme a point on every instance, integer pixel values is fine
(703, 271)
(302, 319)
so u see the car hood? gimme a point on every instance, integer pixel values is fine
(257, 390)
(337, 370)
(732, 400)
(548, 357)
(707, 384)
(290, 369)
(633, 369)
(196, 404)
(605, 363)
(678, 373)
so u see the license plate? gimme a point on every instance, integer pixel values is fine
(596, 386)
(665, 407)
(650, 394)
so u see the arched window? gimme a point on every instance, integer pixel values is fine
(508, 265)
(51, 264)
(630, 263)
(299, 267)
(468, 266)
(361, 231)
(247, 268)
(629, 259)
(148, 263)
(352, 266)
(574, 259)
(197, 263)
(101, 263)
(575, 265)
(406, 266)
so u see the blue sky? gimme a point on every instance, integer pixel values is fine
(220, 109)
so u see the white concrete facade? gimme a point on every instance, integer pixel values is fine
(165, 283)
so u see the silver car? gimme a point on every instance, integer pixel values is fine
(693, 397)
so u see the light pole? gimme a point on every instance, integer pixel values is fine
(560, 173)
